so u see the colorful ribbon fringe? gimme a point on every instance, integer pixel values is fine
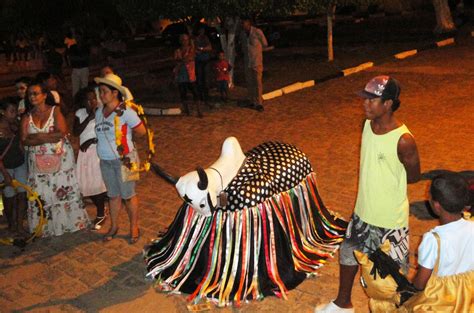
(233, 256)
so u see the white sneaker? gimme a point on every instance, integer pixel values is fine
(331, 307)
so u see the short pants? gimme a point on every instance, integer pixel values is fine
(112, 175)
(20, 174)
(367, 238)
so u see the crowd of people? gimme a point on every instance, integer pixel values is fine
(22, 48)
(35, 150)
(194, 57)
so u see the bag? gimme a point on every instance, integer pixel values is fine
(382, 291)
(383, 280)
(48, 163)
(453, 293)
(127, 173)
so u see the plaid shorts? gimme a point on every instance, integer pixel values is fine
(367, 238)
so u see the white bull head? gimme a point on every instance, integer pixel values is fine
(201, 188)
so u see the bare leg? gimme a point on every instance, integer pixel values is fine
(9, 208)
(20, 214)
(198, 104)
(115, 205)
(185, 106)
(347, 274)
(132, 210)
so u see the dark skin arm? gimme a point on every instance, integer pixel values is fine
(7, 179)
(422, 277)
(85, 145)
(79, 127)
(408, 155)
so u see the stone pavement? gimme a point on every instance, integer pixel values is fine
(78, 273)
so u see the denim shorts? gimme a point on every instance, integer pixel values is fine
(112, 175)
(367, 238)
(20, 174)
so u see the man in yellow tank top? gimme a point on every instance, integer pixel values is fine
(388, 162)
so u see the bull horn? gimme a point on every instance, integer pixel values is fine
(161, 172)
(203, 181)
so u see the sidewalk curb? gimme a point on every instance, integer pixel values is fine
(161, 112)
(288, 89)
(361, 67)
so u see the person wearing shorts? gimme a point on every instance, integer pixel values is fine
(111, 155)
(388, 162)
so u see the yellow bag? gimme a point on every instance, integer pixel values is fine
(378, 288)
(453, 293)
(381, 291)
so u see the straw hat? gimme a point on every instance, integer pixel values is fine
(112, 80)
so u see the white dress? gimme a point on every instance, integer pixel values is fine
(88, 163)
(59, 191)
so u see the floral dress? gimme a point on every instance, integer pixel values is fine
(59, 191)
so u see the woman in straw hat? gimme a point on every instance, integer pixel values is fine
(115, 123)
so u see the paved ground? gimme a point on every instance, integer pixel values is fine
(77, 272)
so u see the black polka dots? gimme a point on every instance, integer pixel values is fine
(270, 168)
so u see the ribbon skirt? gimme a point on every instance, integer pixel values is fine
(238, 255)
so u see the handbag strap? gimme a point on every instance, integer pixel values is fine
(438, 240)
(7, 148)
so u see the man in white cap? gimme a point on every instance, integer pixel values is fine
(388, 162)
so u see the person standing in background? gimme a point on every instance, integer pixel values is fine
(253, 42)
(79, 59)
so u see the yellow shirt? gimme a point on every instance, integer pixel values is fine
(382, 197)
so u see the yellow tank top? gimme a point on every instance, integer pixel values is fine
(382, 196)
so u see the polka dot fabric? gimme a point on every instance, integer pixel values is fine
(269, 169)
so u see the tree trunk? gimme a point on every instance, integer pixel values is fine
(444, 20)
(330, 17)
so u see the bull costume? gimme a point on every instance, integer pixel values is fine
(252, 225)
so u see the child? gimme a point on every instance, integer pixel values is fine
(449, 195)
(12, 166)
(88, 169)
(21, 84)
(223, 69)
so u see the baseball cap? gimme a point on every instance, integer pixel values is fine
(381, 86)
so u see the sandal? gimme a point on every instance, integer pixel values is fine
(134, 239)
(110, 235)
